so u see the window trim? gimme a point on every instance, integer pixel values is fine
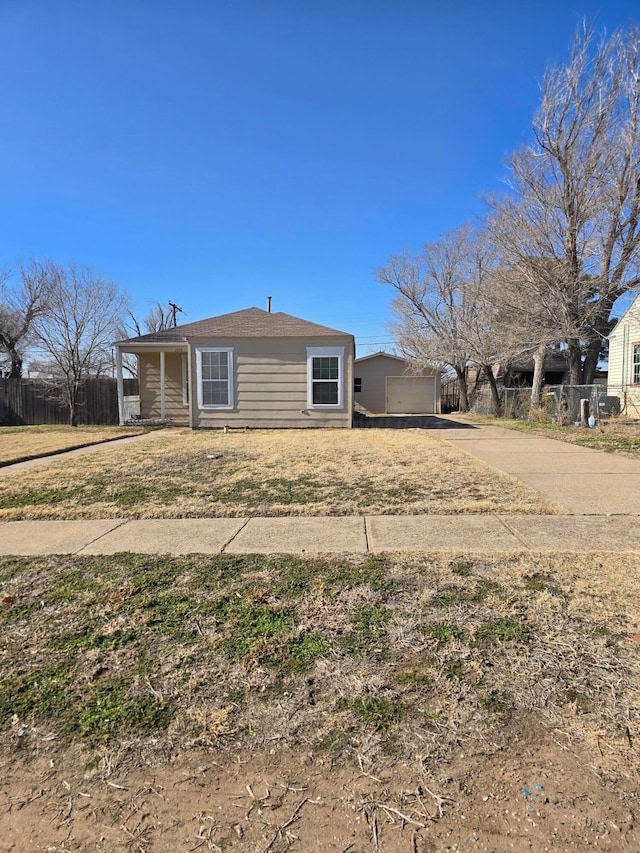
(325, 352)
(230, 383)
(635, 346)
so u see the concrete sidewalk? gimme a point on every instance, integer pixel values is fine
(324, 535)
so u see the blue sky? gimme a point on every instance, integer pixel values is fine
(214, 153)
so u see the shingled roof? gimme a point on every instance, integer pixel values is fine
(250, 323)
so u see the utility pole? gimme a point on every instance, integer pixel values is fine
(173, 309)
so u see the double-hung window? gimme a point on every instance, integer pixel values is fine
(636, 364)
(215, 377)
(325, 380)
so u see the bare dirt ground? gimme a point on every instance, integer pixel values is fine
(275, 798)
(418, 703)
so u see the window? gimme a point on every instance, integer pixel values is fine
(636, 364)
(215, 375)
(325, 376)
(357, 385)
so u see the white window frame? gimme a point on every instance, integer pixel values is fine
(325, 352)
(635, 363)
(229, 351)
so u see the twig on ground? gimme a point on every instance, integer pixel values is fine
(364, 772)
(399, 814)
(440, 801)
(293, 817)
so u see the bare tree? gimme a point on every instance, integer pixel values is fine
(83, 314)
(158, 319)
(528, 298)
(23, 298)
(575, 205)
(443, 315)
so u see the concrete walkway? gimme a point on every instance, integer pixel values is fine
(582, 480)
(600, 491)
(327, 535)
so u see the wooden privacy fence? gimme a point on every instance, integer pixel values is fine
(34, 401)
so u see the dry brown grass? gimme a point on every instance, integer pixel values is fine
(391, 662)
(29, 442)
(182, 473)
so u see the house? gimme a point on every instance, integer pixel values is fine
(624, 361)
(387, 384)
(250, 368)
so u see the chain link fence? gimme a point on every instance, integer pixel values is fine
(560, 403)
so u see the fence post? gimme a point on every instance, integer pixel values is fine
(584, 412)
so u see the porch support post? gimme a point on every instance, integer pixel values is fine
(120, 386)
(162, 389)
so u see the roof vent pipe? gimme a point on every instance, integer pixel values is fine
(269, 304)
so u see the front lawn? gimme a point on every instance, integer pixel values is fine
(19, 443)
(411, 700)
(181, 473)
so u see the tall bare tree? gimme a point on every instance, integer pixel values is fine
(443, 315)
(574, 212)
(75, 331)
(23, 298)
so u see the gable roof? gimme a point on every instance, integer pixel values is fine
(630, 316)
(384, 354)
(249, 323)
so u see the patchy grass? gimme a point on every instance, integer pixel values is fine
(286, 472)
(19, 443)
(612, 436)
(235, 696)
(167, 653)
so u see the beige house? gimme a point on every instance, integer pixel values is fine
(387, 384)
(623, 378)
(250, 368)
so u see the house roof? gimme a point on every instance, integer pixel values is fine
(249, 323)
(382, 353)
(631, 315)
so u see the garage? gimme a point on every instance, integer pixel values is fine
(385, 384)
(411, 395)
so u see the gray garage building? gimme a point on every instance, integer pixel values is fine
(387, 384)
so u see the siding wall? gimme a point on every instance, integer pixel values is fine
(149, 373)
(270, 385)
(620, 369)
(373, 372)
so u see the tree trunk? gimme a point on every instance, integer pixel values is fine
(591, 362)
(538, 377)
(574, 354)
(495, 394)
(72, 399)
(16, 362)
(464, 390)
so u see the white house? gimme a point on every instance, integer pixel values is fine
(624, 361)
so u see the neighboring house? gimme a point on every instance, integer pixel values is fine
(624, 361)
(249, 368)
(387, 384)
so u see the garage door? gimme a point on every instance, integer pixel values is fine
(411, 395)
